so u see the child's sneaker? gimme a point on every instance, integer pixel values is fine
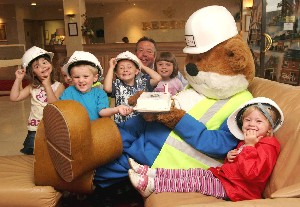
(27, 151)
(142, 183)
(141, 169)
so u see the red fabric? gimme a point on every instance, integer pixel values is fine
(6, 85)
(246, 177)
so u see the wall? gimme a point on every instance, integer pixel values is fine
(120, 19)
(124, 19)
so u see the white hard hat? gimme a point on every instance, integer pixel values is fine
(234, 121)
(128, 56)
(79, 57)
(33, 53)
(207, 28)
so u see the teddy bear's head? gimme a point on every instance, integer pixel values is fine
(219, 63)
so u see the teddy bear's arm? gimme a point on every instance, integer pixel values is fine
(214, 143)
(170, 119)
(132, 100)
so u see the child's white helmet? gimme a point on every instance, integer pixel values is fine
(128, 56)
(81, 57)
(32, 54)
(208, 27)
(234, 121)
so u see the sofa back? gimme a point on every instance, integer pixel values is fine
(285, 179)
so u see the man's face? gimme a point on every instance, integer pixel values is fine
(146, 53)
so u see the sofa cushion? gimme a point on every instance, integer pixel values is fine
(17, 186)
(290, 202)
(292, 191)
(177, 199)
(287, 167)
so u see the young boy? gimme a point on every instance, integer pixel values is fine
(127, 66)
(85, 69)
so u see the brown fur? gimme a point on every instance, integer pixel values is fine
(231, 57)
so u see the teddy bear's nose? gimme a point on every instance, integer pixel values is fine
(191, 69)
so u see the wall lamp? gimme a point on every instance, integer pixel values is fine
(248, 4)
(71, 17)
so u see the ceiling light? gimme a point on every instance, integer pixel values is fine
(33, 4)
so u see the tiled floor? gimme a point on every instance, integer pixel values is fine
(13, 128)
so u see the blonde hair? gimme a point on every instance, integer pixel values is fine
(94, 70)
(270, 109)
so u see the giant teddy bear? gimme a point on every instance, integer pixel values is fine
(193, 134)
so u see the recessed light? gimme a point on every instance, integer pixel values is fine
(33, 4)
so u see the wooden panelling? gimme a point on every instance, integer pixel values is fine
(104, 52)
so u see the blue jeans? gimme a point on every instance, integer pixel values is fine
(29, 140)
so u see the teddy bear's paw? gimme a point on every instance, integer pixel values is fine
(171, 118)
(132, 100)
(150, 116)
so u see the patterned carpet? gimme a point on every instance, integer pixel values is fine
(119, 195)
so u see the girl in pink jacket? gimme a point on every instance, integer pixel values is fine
(246, 169)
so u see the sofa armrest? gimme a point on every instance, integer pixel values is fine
(292, 191)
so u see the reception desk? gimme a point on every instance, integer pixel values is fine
(104, 52)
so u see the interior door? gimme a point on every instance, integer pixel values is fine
(274, 39)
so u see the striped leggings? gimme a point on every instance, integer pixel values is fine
(191, 180)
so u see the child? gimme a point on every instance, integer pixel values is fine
(126, 67)
(246, 169)
(42, 88)
(66, 77)
(84, 69)
(166, 66)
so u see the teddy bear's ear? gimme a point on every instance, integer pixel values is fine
(238, 53)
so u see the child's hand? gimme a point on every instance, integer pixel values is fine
(231, 155)
(251, 137)
(112, 63)
(46, 80)
(20, 73)
(124, 110)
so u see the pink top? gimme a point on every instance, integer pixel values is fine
(174, 86)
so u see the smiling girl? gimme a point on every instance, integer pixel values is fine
(167, 67)
(246, 169)
(43, 89)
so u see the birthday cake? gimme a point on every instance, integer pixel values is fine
(154, 102)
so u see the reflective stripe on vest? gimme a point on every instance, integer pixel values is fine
(178, 154)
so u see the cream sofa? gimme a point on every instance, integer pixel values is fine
(17, 186)
(283, 188)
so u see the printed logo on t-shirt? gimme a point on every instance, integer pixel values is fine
(41, 96)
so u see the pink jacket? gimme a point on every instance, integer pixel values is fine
(246, 177)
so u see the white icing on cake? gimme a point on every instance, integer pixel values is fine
(154, 101)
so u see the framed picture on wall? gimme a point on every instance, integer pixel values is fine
(46, 34)
(73, 29)
(3, 35)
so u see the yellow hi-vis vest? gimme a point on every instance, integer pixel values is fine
(177, 154)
